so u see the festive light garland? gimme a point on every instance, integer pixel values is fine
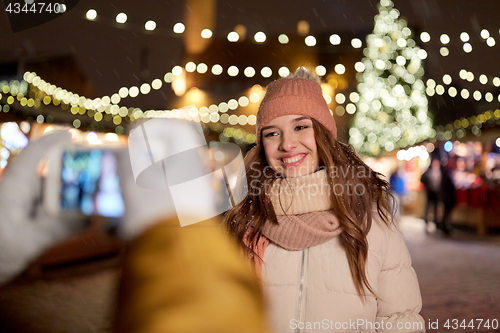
(309, 40)
(433, 88)
(206, 115)
(459, 127)
(110, 105)
(17, 91)
(216, 70)
(483, 78)
(100, 107)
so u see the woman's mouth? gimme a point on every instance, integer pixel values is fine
(293, 160)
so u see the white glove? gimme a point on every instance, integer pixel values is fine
(25, 228)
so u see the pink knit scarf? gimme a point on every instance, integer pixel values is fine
(302, 206)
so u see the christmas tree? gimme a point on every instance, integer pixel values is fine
(392, 110)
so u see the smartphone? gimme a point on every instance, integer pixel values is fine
(84, 181)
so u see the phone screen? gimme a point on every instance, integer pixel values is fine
(90, 183)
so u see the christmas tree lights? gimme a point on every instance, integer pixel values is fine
(392, 111)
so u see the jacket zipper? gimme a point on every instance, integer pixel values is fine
(300, 304)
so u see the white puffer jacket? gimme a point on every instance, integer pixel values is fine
(312, 290)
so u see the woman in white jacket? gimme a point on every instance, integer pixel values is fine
(316, 223)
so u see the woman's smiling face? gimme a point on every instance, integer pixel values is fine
(290, 146)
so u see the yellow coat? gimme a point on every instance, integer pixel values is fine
(186, 280)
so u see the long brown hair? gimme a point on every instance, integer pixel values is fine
(354, 212)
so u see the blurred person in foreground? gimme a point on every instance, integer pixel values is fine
(174, 279)
(316, 223)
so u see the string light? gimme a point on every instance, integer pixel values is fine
(359, 65)
(356, 43)
(232, 71)
(447, 79)
(425, 37)
(249, 72)
(233, 36)
(340, 98)
(91, 14)
(339, 69)
(320, 70)
(169, 77)
(206, 33)
(150, 25)
(217, 69)
(260, 37)
(133, 91)
(179, 28)
(444, 38)
(202, 68)
(310, 41)
(444, 51)
(177, 70)
(266, 72)
(190, 67)
(145, 88)
(335, 39)
(283, 39)
(473, 124)
(121, 18)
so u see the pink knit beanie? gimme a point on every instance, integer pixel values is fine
(299, 96)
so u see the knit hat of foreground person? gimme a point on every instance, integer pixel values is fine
(299, 93)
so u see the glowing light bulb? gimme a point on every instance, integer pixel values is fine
(233, 71)
(359, 66)
(206, 33)
(356, 43)
(260, 37)
(425, 37)
(320, 70)
(283, 39)
(249, 72)
(283, 71)
(339, 69)
(177, 70)
(335, 39)
(485, 34)
(444, 51)
(91, 14)
(233, 36)
(445, 39)
(150, 25)
(202, 68)
(121, 18)
(266, 72)
(217, 69)
(190, 67)
(310, 40)
(179, 28)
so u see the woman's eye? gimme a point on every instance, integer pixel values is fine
(268, 135)
(301, 127)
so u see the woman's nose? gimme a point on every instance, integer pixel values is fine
(288, 142)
